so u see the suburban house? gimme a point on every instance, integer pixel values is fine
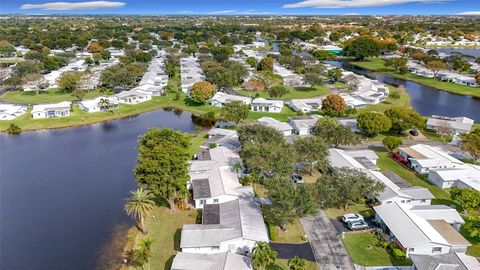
(211, 184)
(154, 79)
(266, 105)
(61, 109)
(352, 123)
(421, 231)
(99, 104)
(452, 125)
(223, 137)
(447, 261)
(216, 261)
(467, 176)
(353, 102)
(281, 127)
(133, 96)
(424, 158)
(11, 111)
(190, 73)
(305, 105)
(221, 98)
(235, 226)
(304, 125)
(396, 189)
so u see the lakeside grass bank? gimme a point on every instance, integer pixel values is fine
(79, 117)
(377, 64)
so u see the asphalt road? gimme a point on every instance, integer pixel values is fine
(328, 248)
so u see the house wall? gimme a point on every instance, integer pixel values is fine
(58, 113)
(401, 200)
(427, 249)
(214, 200)
(438, 181)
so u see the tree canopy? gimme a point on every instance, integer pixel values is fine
(362, 47)
(333, 105)
(471, 143)
(404, 118)
(372, 123)
(201, 92)
(235, 111)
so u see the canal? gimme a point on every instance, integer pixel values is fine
(62, 192)
(424, 99)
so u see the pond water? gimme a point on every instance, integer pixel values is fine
(424, 99)
(468, 51)
(62, 192)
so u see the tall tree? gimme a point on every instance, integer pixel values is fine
(69, 81)
(334, 134)
(435, 66)
(404, 118)
(362, 47)
(139, 205)
(372, 123)
(277, 91)
(471, 143)
(262, 256)
(391, 142)
(162, 163)
(344, 186)
(333, 105)
(469, 199)
(235, 111)
(202, 91)
(266, 64)
(311, 151)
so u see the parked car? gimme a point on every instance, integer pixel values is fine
(350, 217)
(359, 225)
(413, 132)
(297, 178)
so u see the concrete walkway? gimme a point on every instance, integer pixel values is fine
(328, 248)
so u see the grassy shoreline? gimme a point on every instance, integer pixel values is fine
(81, 118)
(377, 64)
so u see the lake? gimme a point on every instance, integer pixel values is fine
(424, 99)
(62, 192)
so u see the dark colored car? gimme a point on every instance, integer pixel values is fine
(297, 178)
(413, 132)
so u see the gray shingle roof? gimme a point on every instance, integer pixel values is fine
(201, 188)
(436, 262)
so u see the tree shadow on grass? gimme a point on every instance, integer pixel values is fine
(176, 240)
(305, 89)
(189, 102)
(160, 201)
(275, 267)
(168, 263)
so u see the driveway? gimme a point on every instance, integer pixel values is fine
(328, 248)
(288, 251)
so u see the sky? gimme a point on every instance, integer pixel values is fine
(243, 7)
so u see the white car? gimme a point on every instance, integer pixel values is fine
(350, 217)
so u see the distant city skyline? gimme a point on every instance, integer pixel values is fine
(246, 7)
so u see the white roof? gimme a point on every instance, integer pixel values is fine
(89, 103)
(462, 123)
(54, 106)
(469, 174)
(438, 212)
(218, 261)
(226, 98)
(410, 229)
(132, 92)
(271, 102)
(340, 158)
(433, 156)
(10, 108)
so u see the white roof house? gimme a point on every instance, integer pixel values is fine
(353, 102)
(305, 105)
(217, 261)
(266, 105)
(133, 96)
(190, 73)
(221, 98)
(447, 261)
(423, 158)
(281, 127)
(450, 124)
(417, 233)
(467, 176)
(235, 226)
(396, 189)
(99, 104)
(11, 111)
(289, 77)
(224, 137)
(217, 185)
(61, 109)
(304, 125)
(155, 78)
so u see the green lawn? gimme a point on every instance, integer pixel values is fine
(365, 250)
(295, 93)
(52, 95)
(377, 64)
(434, 136)
(360, 208)
(473, 250)
(292, 235)
(403, 101)
(197, 140)
(282, 264)
(385, 163)
(165, 230)
(281, 116)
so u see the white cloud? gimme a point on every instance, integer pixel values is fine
(74, 5)
(223, 11)
(353, 3)
(469, 13)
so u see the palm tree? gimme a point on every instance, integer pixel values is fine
(263, 256)
(296, 263)
(140, 256)
(104, 104)
(139, 205)
(237, 167)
